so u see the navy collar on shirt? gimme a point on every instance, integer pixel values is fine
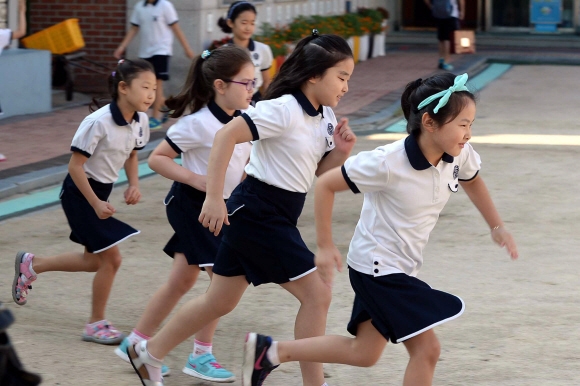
(416, 157)
(221, 115)
(153, 3)
(118, 116)
(306, 105)
(251, 45)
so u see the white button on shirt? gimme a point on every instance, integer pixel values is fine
(193, 135)
(154, 21)
(108, 140)
(291, 138)
(403, 196)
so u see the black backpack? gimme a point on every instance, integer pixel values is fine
(441, 9)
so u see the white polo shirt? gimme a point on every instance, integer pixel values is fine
(262, 57)
(154, 21)
(107, 140)
(291, 138)
(193, 135)
(403, 196)
(5, 38)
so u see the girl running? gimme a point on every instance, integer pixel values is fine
(296, 137)
(106, 140)
(405, 184)
(219, 85)
(241, 22)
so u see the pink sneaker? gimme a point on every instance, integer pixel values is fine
(23, 278)
(102, 332)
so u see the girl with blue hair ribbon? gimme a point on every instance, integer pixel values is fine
(405, 184)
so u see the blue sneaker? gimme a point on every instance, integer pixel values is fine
(256, 365)
(206, 367)
(121, 352)
(155, 124)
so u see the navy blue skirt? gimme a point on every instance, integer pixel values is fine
(262, 241)
(86, 227)
(400, 306)
(183, 206)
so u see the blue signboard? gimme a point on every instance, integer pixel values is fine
(546, 14)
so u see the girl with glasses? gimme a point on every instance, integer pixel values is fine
(212, 96)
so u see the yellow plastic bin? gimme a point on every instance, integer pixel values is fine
(61, 38)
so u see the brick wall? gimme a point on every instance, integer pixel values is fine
(102, 24)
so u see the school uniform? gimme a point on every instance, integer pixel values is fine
(155, 35)
(262, 241)
(262, 58)
(403, 196)
(192, 136)
(107, 140)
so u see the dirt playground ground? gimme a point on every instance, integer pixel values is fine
(521, 323)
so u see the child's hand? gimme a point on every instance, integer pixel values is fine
(189, 53)
(505, 239)
(118, 54)
(325, 260)
(198, 182)
(344, 138)
(132, 195)
(214, 214)
(103, 210)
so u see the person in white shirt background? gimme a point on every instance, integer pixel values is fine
(219, 85)
(241, 22)
(156, 22)
(6, 36)
(106, 141)
(405, 184)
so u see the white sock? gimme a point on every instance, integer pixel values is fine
(272, 354)
(325, 384)
(200, 348)
(135, 337)
(30, 268)
(154, 369)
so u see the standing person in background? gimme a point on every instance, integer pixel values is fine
(241, 22)
(447, 14)
(6, 36)
(157, 22)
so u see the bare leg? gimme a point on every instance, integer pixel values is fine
(314, 297)
(206, 334)
(67, 262)
(103, 281)
(159, 100)
(445, 50)
(363, 350)
(222, 296)
(181, 279)
(424, 350)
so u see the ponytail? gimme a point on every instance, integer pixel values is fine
(223, 63)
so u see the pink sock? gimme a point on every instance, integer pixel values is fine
(136, 336)
(200, 348)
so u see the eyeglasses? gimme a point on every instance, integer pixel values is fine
(250, 85)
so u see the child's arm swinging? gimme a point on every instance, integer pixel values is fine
(327, 255)
(118, 54)
(132, 194)
(479, 195)
(77, 172)
(214, 213)
(181, 37)
(162, 161)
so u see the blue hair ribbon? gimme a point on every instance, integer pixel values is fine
(458, 85)
(205, 54)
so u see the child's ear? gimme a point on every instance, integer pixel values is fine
(219, 86)
(122, 87)
(230, 23)
(428, 123)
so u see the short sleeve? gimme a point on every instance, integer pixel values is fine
(5, 38)
(270, 118)
(367, 171)
(87, 137)
(185, 135)
(170, 13)
(267, 58)
(135, 16)
(144, 133)
(469, 163)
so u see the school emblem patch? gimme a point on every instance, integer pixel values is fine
(256, 56)
(330, 129)
(140, 131)
(455, 172)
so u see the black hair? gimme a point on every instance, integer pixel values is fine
(224, 62)
(419, 90)
(126, 71)
(234, 11)
(311, 58)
